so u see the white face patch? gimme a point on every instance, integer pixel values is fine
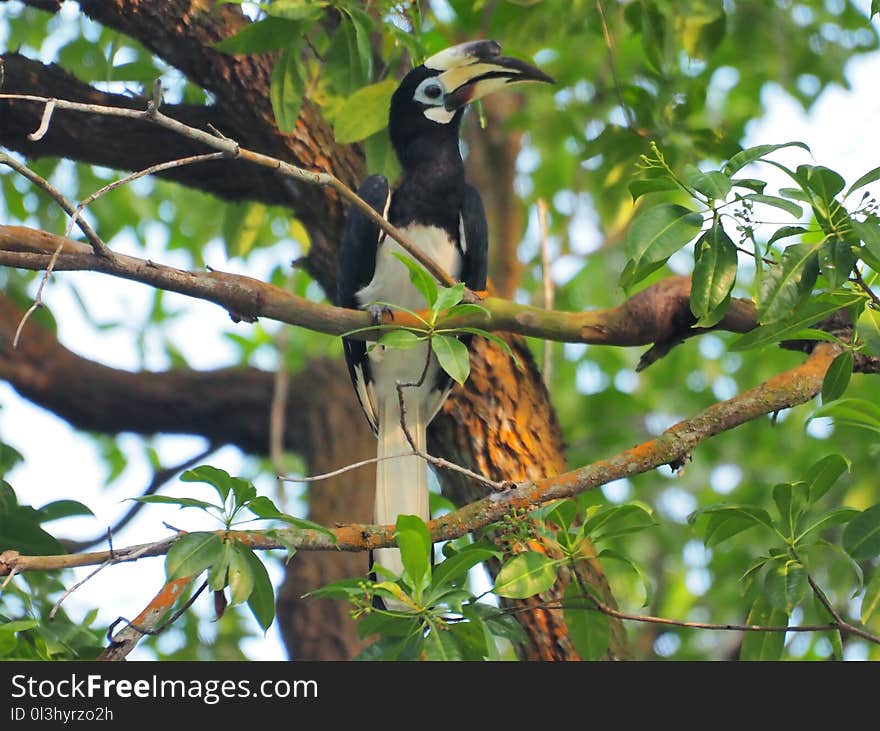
(439, 114)
(432, 93)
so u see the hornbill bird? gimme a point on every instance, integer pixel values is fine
(436, 209)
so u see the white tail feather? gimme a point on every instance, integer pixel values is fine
(401, 482)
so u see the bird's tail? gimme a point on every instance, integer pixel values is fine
(401, 482)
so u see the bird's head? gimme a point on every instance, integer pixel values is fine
(431, 97)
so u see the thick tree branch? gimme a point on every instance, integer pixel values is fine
(785, 390)
(122, 143)
(658, 314)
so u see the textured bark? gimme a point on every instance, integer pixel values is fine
(501, 424)
(491, 167)
(229, 406)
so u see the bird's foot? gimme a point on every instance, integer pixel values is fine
(379, 313)
(474, 296)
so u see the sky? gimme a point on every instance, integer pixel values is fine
(840, 130)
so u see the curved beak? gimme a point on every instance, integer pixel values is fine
(470, 71)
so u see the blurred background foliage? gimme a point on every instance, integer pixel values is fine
(690, 76)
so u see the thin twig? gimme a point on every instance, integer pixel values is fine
(863, 285)
(609, 46)
(547, 284)
(165, 625)
(38, 299)
(278, 406)
(234, 150)
(100, 247)
(784, 390)
(436, 461)
(158, 168)
(77, 585)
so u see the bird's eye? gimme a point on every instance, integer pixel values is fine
(433, 91)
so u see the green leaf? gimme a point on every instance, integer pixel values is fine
(295, 9)
(500, 342)
(183, 502)
(743, 158)
(868, 178)
(420, 278)
(263, 507)
(823, 474)
(525, 575)
(714, 275)
(191, 554)
(380, 155)
(241, 575)
(809, 313)
(263, 36)
(610, 554)
(638, 188)
(448, 297)
(262, 597)
(439, 645)
(835, 516)
(219, 479)
(868, 232)
(588, 628)
(771, 200)
(868, 329)
(364, 113)
(400, 339)
(218, 574)
(9, 457)
(415, 544)
(837, 377)
(861, 538)
(617, 519)
(822, 181)
(474, 642)
(784, 232)
(871, 599)
(852, 412)
(789, 501)
(785, 286)
(875, 8)
(750, 513)
(796, 193)
(785, 585)
(764, 645)
(453, 356)
(658, 232)
(242, 223)
(287, 88)
(343, 68)
(62, 509)
(750, 183)
(715, 185)
(498, 622)
(454, 569)
(837, 257)
(18, 625)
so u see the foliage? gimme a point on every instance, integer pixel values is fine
(640, 145)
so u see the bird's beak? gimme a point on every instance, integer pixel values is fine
(470, 71)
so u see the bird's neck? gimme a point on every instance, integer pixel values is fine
(433, 163)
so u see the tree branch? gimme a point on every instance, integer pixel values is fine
(657, 314)
(790, 388)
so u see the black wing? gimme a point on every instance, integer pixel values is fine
(357, 263)
(475, 230)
